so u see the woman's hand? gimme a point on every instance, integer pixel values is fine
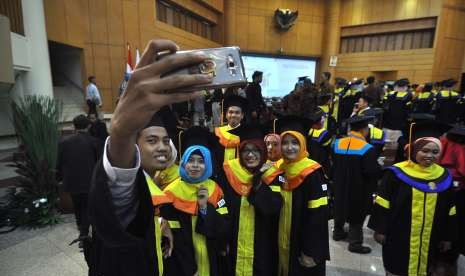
(166, 232)
(265, 167)
(379, 238)
(202, 197)
(306, 261)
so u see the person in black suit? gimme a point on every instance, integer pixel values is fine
(98, 128)
(77, 156)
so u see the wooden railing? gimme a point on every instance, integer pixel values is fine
(12, 9)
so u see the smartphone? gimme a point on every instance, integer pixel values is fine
(225, 65)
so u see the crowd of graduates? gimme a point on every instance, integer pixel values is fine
(254, 197)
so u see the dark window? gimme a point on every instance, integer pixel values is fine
(181, 18)
(387, 41)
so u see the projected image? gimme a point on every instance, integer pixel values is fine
(279, 74)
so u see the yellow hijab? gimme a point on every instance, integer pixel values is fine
(303, 145)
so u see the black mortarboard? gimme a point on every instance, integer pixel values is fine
(341, 81)
(428, 128)
(457, 134)
(249, 132)
(316, 116)
(428, 87)
(417, 117)
(197, 135)
(302, 78)
(359, 122)
(402, 82)
(164, 118)
(448, 83)
(235, 100)
(293, 123)
(200, 136)
(161, 118)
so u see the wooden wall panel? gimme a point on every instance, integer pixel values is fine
(55, 20)
(217, 5)
(103, 27)
(357, 12)
(250, 25)
(415, 64)
(450, 41)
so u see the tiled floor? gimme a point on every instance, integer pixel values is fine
(46, 252)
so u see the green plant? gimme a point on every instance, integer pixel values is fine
(34, 202)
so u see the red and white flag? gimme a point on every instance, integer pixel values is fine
(129, 65)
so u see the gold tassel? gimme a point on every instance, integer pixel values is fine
(179, 145)
(274, 125)
(410, 142)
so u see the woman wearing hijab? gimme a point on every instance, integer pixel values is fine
(198, 219)
(414, 216)
(273, 147)
(303, 223)
(252, 192)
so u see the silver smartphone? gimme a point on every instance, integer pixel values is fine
(225, 65)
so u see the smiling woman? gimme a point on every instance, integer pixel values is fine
(199, 217)
(415, 196)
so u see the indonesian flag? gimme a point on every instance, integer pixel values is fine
(137, 56)
(129, 66)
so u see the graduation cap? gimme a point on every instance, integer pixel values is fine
(164, 118)
(301, 79)
(294, 123)
(457, 134)
(235, 100)
(402, 82)
(249, 132)
(448, 83)
(417, 117)
(199, 136)
(427, 128)
(427, 87)
(316, 116)
(341, 81)
(359, 122)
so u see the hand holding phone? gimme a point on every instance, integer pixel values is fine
(224, 65)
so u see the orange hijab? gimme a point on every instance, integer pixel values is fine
(303, 145)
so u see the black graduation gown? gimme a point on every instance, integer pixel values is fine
(117, 250)
(398, 109)
(308, 204)
(266, 202)
(213, 226)
(99, 131)
(355, 173)
(400, 210)
(346, 105)
(319, 147)
(448, 106)
(423, 103)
